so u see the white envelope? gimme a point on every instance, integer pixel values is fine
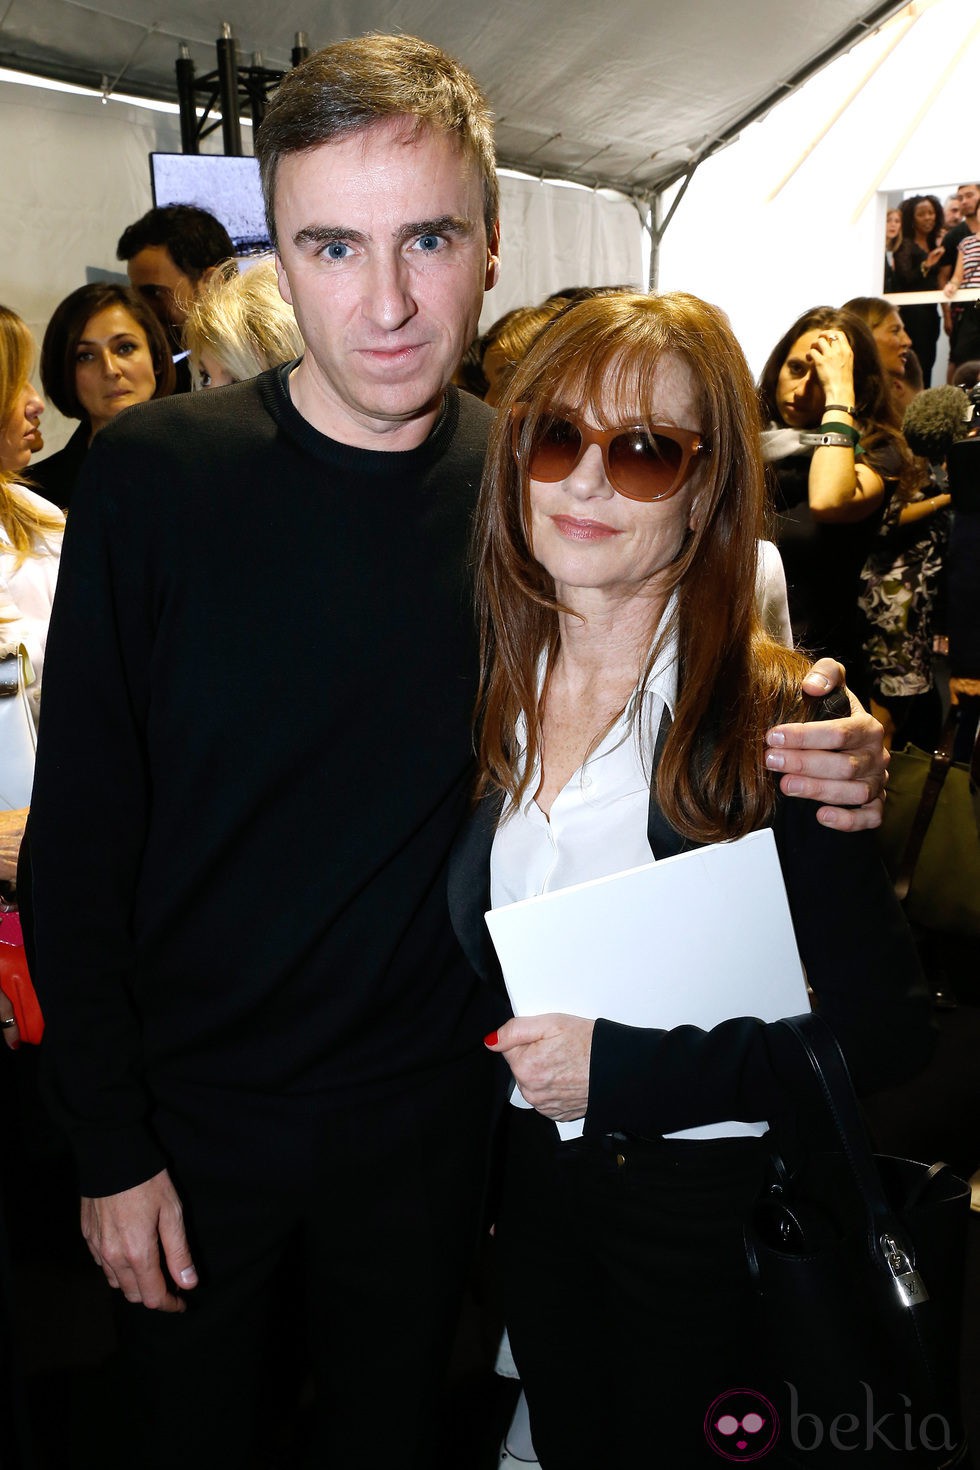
(691, 940)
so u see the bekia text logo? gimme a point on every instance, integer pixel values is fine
(741, 1425)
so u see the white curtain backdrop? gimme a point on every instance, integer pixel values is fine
(554, 236)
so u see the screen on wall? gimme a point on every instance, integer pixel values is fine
(227, 187)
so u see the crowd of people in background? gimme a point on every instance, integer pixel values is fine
(931, 246)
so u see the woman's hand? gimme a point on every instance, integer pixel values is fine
(549, 1057)
(933, 258)
(833, 363)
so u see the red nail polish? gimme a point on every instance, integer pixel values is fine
(490, 1040)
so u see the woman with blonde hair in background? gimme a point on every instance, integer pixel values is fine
(30, 547)
(893, 239)
(239, 325)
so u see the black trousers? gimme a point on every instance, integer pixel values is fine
(352, 1271)
(626, 1294)
(964, 341)
(923, 324)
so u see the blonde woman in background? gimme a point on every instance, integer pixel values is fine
(30, 546)
(239, 325)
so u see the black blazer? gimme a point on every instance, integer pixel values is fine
(55, 477)
(860, 962)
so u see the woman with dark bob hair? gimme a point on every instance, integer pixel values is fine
(626, 687)
(836, 457)
(103, 351)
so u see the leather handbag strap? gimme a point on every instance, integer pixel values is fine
(938, 771)
(887, 1240)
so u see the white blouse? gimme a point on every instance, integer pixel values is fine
(597, 826)
(27, 591)
(598, 821)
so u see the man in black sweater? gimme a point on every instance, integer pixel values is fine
(262, 1038)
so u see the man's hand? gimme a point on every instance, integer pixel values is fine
(843, 762)
(126, 1234)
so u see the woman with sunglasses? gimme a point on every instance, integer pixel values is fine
(626, 685)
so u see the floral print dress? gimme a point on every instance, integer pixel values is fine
(899, 588)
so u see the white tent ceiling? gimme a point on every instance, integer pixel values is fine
(628, 94)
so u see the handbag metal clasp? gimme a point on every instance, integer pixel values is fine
(908, 1283)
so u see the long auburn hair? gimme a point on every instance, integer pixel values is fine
(23, 522)
(734, 681)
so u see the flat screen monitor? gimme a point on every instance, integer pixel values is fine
(227, 187)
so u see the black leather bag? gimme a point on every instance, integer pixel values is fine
(859, 1261)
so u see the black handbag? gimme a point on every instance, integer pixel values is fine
(858, 1262)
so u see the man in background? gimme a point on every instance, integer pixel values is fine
(952, 213)
(962, 322)
(170, 252)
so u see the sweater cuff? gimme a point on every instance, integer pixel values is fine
(117, 1159)
(651, 1082)
(622, 1066)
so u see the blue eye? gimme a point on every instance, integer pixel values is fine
(337, 250)
(429, 243)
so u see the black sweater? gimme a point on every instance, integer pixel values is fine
(255, 754)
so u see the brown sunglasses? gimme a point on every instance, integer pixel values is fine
(641, 462)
